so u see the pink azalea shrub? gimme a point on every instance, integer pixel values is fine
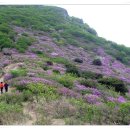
(67, 92)
(92, 99)
(120, 99)
(8, 76)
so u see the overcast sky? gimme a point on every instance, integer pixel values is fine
(111, 21)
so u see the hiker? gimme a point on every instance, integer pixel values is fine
(6, 87)
(1, 87)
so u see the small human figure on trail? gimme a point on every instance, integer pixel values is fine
(1, 87)
(6, 85)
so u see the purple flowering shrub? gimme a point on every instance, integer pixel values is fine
(120, 99)
(21, 82)
(8, 76)
(92, 99)
(69, 93)
(59, 68)
(6, 62)
(83, 90)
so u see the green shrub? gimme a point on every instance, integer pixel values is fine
(25, 34)
(66, 80)
(117, 84)
(23, 42)
(27, 95)
(55, 35)
(91, 75)
(97, 62)
(39, 52)
(49, 63)
(38, 89)
(56, 71)
(5, 28)
(92, 31)
(59, 60)
(45, 67)
(14, 98)
(78, 60)
(19, 72)
(5, 41)
(124, 112)
(72, 69)
(86, 113)
(115, 114)
(11, 114)
(88, 83)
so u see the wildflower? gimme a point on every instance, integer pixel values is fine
(67, 92)
(80, 87)
(93, 99)
(8, 76)
(54, 54)
(121, 99)
(111, 99)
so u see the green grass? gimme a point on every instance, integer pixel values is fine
(66, 79)
(18, 72)
(11, 114)
(60, 60)
(23, 42)
(42, 90)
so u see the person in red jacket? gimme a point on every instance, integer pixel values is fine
(1, 87)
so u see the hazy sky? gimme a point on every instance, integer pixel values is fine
(111, 21)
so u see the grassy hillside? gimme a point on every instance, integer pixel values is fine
(56, 22)
(60, 71)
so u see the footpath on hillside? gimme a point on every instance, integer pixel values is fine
(26, 110)
(32, 117)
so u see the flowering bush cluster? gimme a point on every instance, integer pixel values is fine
(22, 82)
(8, 76)
(67, 92)
(59, 68)
(85, 89)
(92, 99)
(111, 67)
(6, 62)
(120, 99)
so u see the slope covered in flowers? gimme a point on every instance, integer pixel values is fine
(60, 65)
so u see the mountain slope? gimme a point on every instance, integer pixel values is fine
(60, 61)
(56, 22)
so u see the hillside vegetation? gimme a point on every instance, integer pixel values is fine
(56, 22)
(60, 71)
